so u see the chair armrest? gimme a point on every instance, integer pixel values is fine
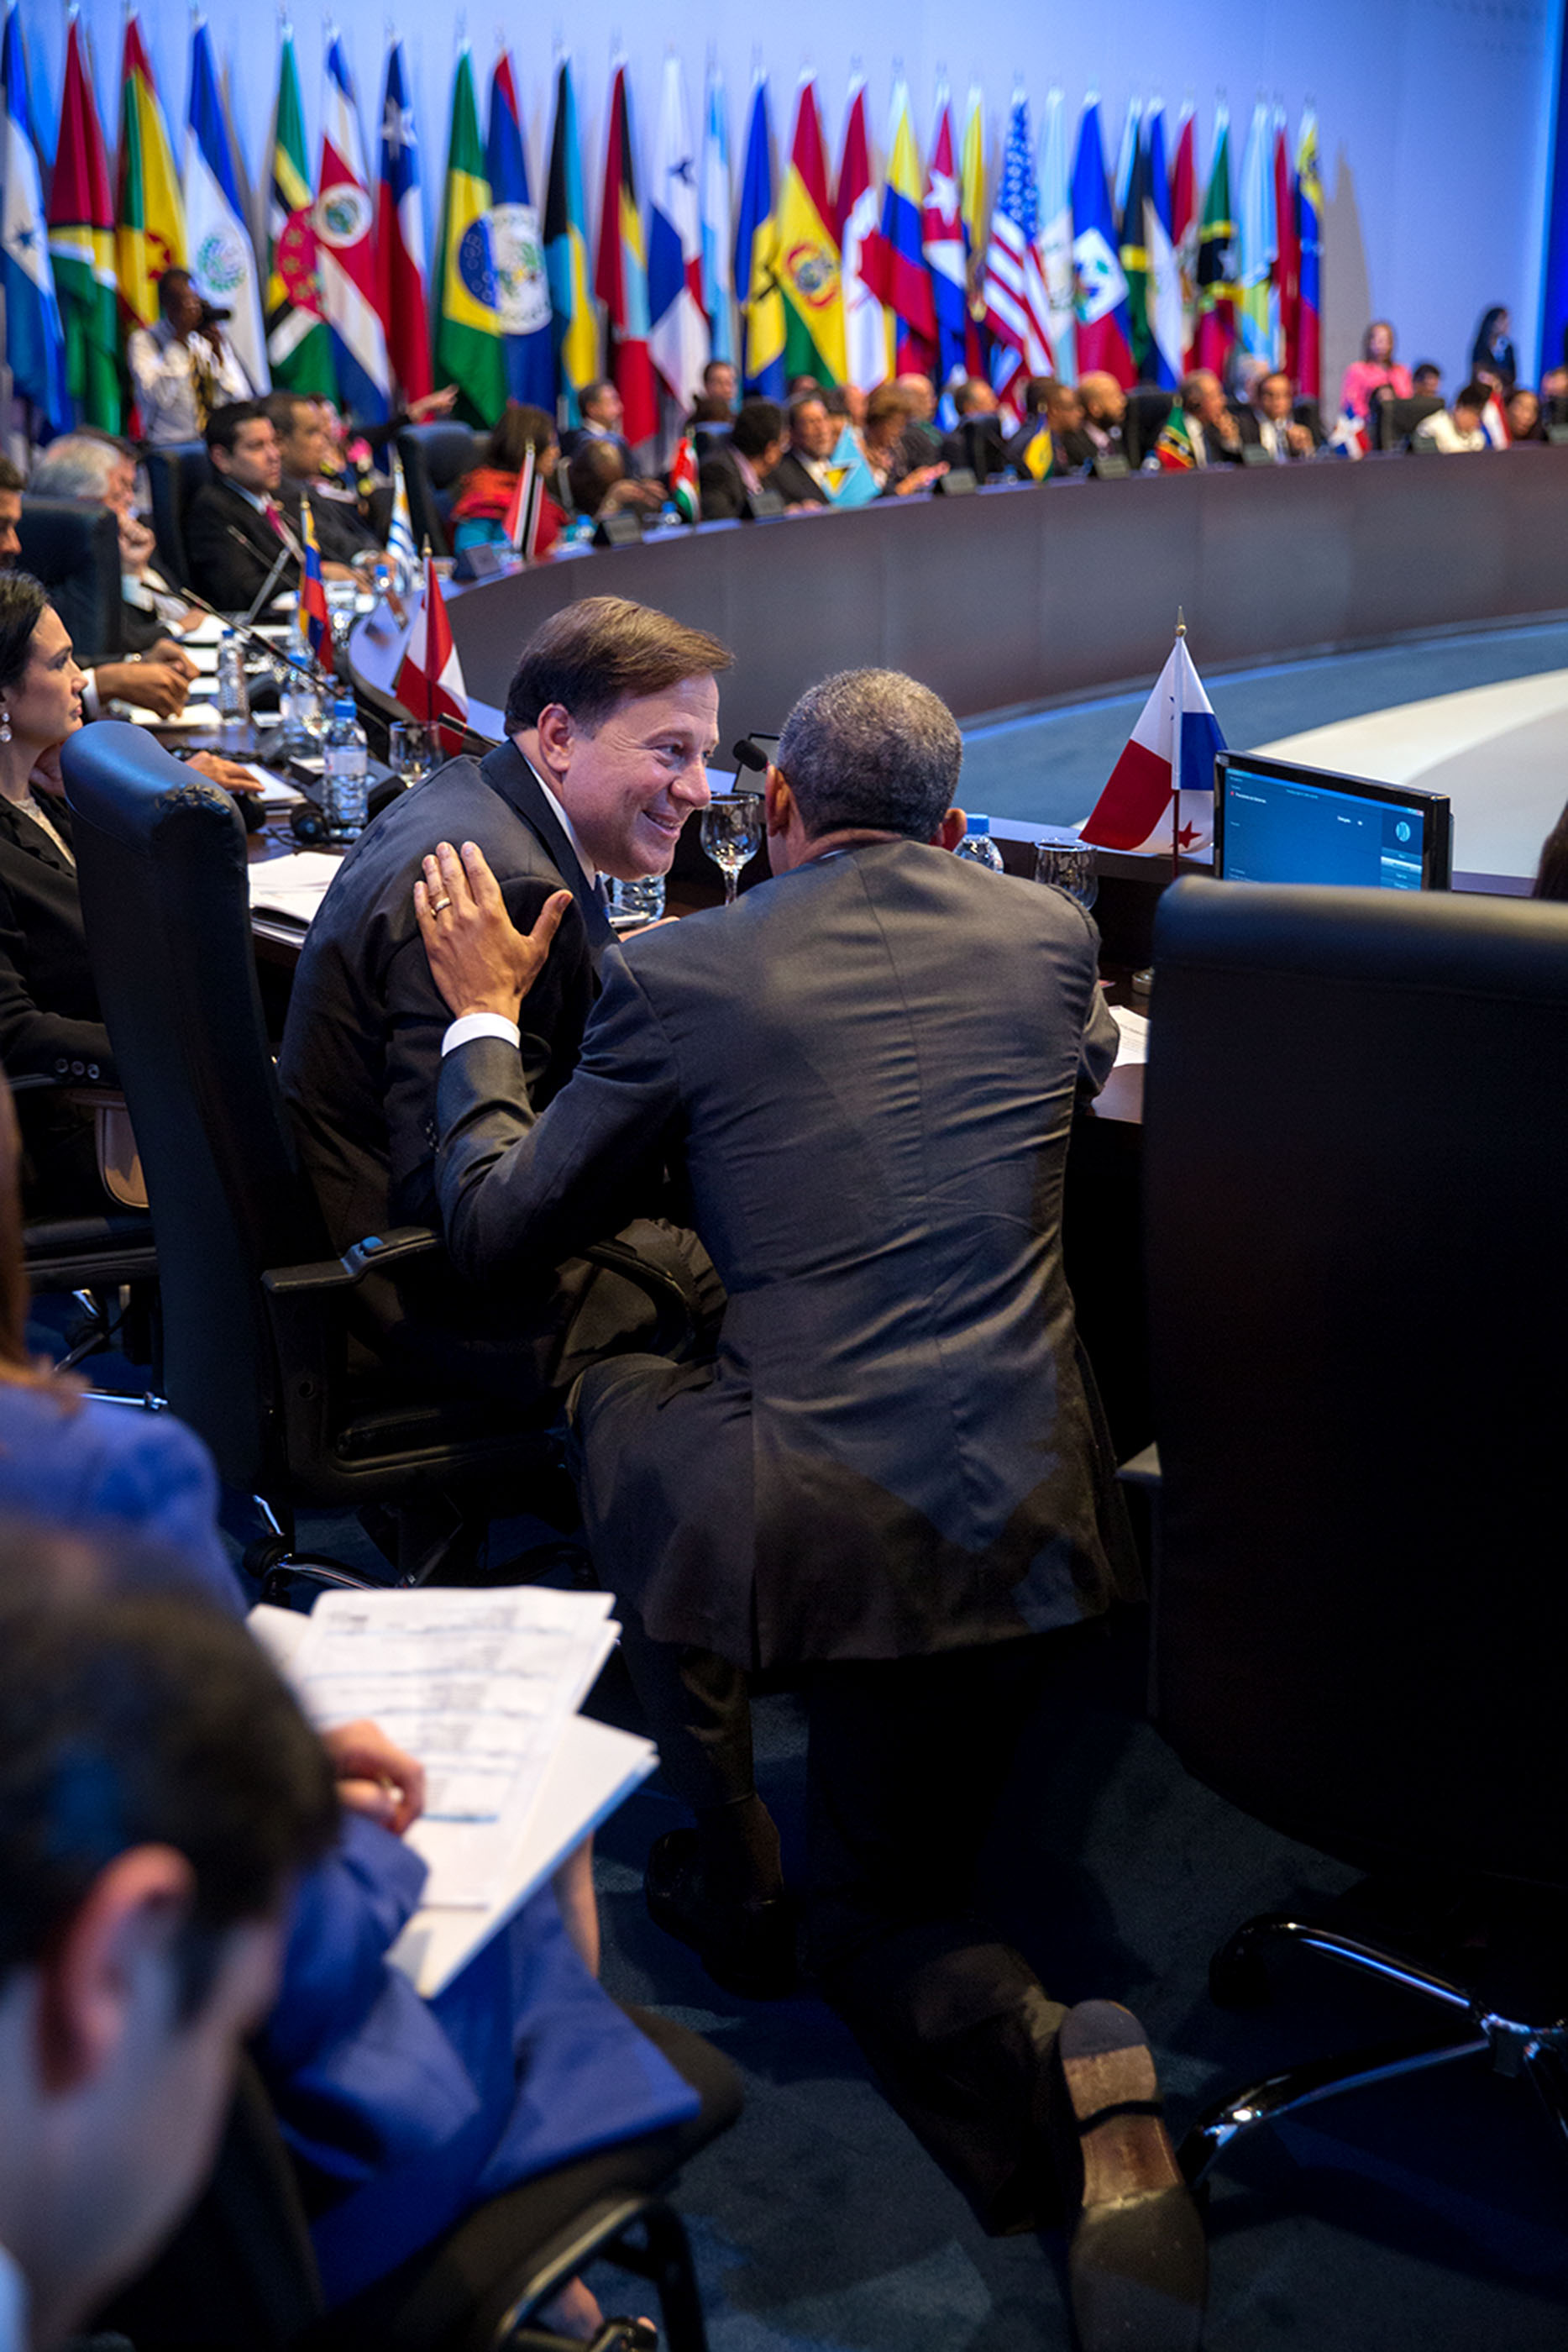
(372, 1255)
(676, 1309)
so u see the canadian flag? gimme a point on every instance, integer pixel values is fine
(1171, 748)
(430, 677)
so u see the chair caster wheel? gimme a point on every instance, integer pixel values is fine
(1238, 1980)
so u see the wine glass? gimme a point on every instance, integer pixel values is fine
(411, 749)
(732, 832)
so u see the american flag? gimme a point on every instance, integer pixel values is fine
(1013, 287)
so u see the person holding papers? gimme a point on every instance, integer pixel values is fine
(401, 2113)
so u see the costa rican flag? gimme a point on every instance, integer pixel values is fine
(1013, 288)
(313, 621)
(345, 252)
(430, 677)
(1171, 750)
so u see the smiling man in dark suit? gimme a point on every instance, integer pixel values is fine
(611, 719)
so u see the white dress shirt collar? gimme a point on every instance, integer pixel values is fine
(565, 823)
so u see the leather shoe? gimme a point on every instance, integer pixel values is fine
(1138, 2264)
(745, 1944)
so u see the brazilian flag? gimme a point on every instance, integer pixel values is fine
(468, 351)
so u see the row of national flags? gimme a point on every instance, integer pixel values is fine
(1051, 264)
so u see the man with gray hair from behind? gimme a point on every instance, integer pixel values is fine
(893, 1477)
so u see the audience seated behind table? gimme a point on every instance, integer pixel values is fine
(1492, 356)
(599, 484)
(311, 468)
(884, 438)
(1374, 375)
(734, 471)
(101, 467)
(156, 681)
(160, 1794)
(401, 2113)
(799, 474)
(1271, 422)
(1214, 432)
(977, 441)
(716, 404)
(1525, 421)
(51, 1027)
(611, 718)
(1457, 430)
(485, 497)
(1051, 438)
(184, 367)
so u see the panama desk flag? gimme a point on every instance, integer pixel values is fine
(1169, 755)
(430, 678)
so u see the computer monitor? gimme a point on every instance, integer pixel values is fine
(1274, 822)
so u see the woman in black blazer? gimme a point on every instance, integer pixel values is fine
(50, 1027)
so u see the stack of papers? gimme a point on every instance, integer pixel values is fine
(483, 1687)
(1135, 1038)
(293, 885)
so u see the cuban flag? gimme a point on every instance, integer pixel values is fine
(223, 261)
(35, 340)
(678, 332)
(1013, 288)
(312, 619)
(717, 228)
(346, 252)
(942, 241)
(1104, 337)
(1171, 750)
(401, 275)
(429, 683)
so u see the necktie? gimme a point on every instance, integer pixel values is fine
(274, 514)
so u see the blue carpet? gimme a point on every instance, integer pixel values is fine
(1048, 767)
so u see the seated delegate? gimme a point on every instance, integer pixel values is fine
(485, 497)
(401, 2113)
(50, 1023)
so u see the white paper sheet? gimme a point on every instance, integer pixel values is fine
(1135, 1029)
(293, 885)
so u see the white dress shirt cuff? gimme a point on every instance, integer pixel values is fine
(479, 1024)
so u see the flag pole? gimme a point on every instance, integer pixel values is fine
(1175, 748)
(430, 590)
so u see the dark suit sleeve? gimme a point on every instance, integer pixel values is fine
(721, 489)
(550, 1184)
(417, 1020)
(223, 570)
(34, 1042)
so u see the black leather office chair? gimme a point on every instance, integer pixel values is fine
(1144, 421)
(1355, 1152)
(72, 546)
(240, 2274)
(175, 474)
(255, 1346)
(1394, 421)
(434, 460)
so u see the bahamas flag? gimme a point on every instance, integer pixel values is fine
(896, 267)
(621, 275)
(516, 250)
(81, 246)
(756, 247)
(35, 340)
(808, 253)
(1308, 232)
(574, 327)
(467, 332)
(150, 219)
(298, 343)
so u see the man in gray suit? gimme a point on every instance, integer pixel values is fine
(893, 1473)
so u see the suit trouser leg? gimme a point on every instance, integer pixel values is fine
(909, 1760)
(698, 1707)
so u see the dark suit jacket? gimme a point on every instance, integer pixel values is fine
(721, 487)
(341, 532)
(362, 1048)
(979, 443)
(50, 1025)
(227, 574)
(794, 484)
(871, 1064)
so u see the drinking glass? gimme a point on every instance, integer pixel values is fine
(732, 832)
(641, 901)
(299, 707)
(411, 750)
(1068, 862)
